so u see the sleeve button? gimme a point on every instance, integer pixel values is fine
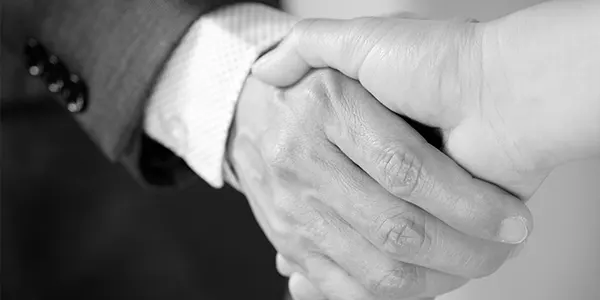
(55, 75)
(36, 57)
(74, 94)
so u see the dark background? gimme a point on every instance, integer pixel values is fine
(75, 226)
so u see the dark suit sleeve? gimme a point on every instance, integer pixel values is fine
(117, 48)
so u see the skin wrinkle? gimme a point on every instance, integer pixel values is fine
(322, 94)
(357, 129)
(410, 53)
(332, 221)
(449, 83)
(408, 229)
(460, 205)
(304, 27)
(472, 51)
(421, 60)
(457, 201)
(448, 80)
(352, 184)
(314, 230)
(335, 175)
(493, 40)
(353, 229)
(402, 172)
(430, 245)
(373, 47)
(353, 116)
(488, 110)
(428, 186)
(353, 123)
(395, 278)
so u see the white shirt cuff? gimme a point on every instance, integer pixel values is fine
(192, 106)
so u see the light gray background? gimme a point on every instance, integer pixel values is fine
(562, 258)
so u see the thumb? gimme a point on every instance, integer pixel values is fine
(318, 43)
(312, 43)
(413, 67)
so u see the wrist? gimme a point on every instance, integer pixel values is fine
(456, 60)
(444, 70)
(470, 66)
(548, 116)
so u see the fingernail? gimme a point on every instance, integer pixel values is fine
(513, 230)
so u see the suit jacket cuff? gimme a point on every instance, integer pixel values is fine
(117, 48)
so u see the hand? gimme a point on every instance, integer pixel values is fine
(349, 192)
(434, 72)
(300, 287)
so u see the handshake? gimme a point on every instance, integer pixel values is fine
(358, 204)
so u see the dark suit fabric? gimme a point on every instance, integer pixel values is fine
(118, 48)
(76, 226)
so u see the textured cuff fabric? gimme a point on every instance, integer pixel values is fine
(192, 106)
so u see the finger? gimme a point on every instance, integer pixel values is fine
(327, 275)
(302, 289)
(334, 282)
(402, 230)
(356, 269)
(420, 68)
(324, 234)
(378, 273)
(409, 168)
(292, 59)
(317, 43)
(285, 267)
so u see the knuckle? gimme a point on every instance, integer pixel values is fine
(282, 230)
(315, 95)
(277, 156)
(402, 172)
(401, 281)
(284, 207)
(316, 227)
(325, 86)
(328, 97)
(402, 235)
(281, 157)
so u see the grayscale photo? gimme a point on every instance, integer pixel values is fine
(300, 149)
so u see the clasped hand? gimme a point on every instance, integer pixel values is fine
(357, 201)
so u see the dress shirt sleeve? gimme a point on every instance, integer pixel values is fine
(193, 103)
